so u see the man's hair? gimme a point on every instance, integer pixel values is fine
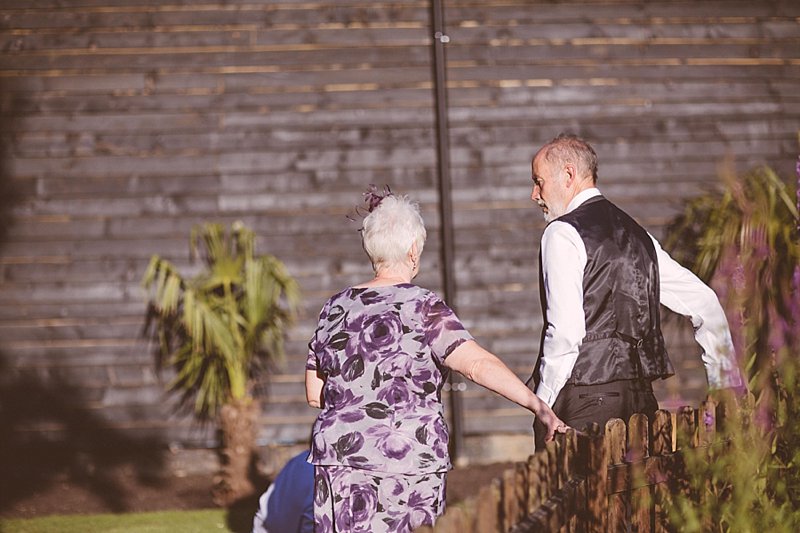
(388, 232)
(568, 148)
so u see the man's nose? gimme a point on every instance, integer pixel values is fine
(535, 193)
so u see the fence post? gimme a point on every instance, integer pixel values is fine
(570, 473)
(638, 451)
(551, 448)
(687, 426)
(598, 459)
(454, 520)
(616, 442)
(662, 447)
(521, 489)
(487, 519)
(707, 423)
(511, 498)
(537, 476)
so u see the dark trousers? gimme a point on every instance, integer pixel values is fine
(581, 405)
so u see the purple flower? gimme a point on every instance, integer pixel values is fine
(338, 398)
(343, 518)
(436, 317)
(364, 504)
(328, 362)
(389, 489)
(375, 335)
(395, 392)
(391, 443)
(419, 513)
(415, 514)
(325, 526)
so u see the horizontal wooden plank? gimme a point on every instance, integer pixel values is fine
(651, 12)
(338, 96)
(309, 15)
(583, 33)
(274, 56)
(240, 35)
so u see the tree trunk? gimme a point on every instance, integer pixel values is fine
(237, 422)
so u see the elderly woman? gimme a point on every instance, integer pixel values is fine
(376, 366)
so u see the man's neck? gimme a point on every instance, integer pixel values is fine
(582, 196)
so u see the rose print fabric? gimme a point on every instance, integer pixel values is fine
(380, 351)
(354, 500)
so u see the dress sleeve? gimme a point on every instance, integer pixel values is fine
(443, 330)
(311, 359)
(314, 345)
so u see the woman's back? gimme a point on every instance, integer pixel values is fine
(381, 350)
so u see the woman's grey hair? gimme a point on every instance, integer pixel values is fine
(389, 231)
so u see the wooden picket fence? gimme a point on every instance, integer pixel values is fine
(616, 480)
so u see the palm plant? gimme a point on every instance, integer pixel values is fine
(746, 241)
(216, 329)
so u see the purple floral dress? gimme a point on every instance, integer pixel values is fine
(380, 351)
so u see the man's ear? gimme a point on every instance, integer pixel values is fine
(570, 179)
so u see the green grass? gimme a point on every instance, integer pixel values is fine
(212, 520)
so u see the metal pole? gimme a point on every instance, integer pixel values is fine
(440, 38)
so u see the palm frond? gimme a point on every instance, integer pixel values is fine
(753, 222)
(217, 326)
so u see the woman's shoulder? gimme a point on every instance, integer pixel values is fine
(365, 296)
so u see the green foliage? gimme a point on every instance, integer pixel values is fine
(156, 522)
(215, 328)
(749, 480)
(746, 238)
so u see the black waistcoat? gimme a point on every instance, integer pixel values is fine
(620, 299)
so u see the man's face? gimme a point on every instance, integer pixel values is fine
(549, 189)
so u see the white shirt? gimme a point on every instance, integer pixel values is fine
(563, 263)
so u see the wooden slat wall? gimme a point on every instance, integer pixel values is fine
(663, 90)
(128, 122)
(124, 123)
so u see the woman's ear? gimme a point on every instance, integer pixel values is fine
(413, 253)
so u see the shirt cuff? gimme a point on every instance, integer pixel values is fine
(728, 378)
(546, 394)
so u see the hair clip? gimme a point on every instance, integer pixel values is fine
(372, 199)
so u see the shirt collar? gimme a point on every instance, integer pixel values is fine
(582, 197)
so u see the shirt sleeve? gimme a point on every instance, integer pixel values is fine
(563, 264)
(686, 294)
(442, 329)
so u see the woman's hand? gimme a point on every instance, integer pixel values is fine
(550, 421)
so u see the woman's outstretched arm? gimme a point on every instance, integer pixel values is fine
(486, 369)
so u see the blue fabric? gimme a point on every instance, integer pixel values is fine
(290, 507)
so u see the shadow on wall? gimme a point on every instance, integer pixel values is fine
(11, 192)
(49, 434)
